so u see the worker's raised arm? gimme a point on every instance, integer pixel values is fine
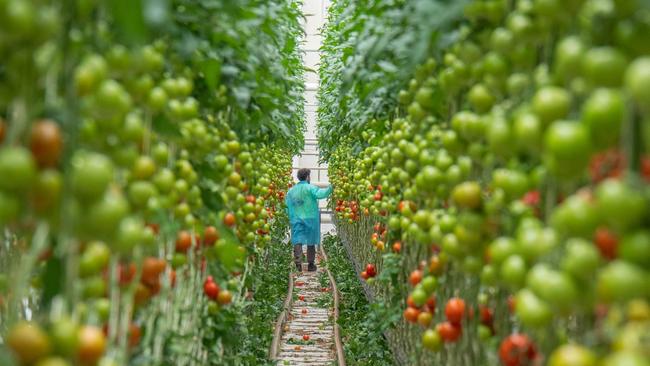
(320, 193)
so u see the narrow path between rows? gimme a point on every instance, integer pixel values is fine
(306, 332)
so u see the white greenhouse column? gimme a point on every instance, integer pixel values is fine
(315, 12)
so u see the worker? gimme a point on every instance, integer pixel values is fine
(304, 217)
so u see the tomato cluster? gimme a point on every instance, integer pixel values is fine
(127, 191)
(516, 166)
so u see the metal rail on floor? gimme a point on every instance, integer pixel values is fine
(340, 352)
(282, 319)
(288, 303)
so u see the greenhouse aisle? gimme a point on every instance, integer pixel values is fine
(308, 334)
(315, 12)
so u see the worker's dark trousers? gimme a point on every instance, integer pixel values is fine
(297, 254)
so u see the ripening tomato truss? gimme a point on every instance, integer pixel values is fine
(499, 188)
(144, 189)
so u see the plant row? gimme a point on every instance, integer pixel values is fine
(500, 200)
(145, 149)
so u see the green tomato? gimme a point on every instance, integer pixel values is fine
(501, 40)
(621, 281)
(603, 113)
(133, 129)
(94, 259)
(481, 98)
(90, 74)
(102, 307)
(527, 130)
(178, 260)
(451, 246)
(551, 103)
(484, 333)
(623, 207)
(431, 340)
(419, 296)
(581, 259)
(513, 182)
(428, 177)
(604, 66)
(499, 137)
(91, 175)
(568, 149)
(157, 99)
(552, 286)
(94, 287)
(572, 355)
(429, 284)
(576, 217)
(637, 81)
(568, 57)
(164, 180)
(64, 336)
(111, 100)
(103, 216)
(513, 271)
(488, 275)
(140, 192)
(19, 169)
(635, 248)
(534, 243)
(130, 233)
(517, 84)
(531, 310)
(502, 248)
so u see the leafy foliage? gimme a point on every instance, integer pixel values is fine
(246, 330)
(252, 48)
(362, 324)
(369, 51)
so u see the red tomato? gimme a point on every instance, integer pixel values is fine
(487, 315)
(411, 314)
(607, 242)
(46, 143)
(134, 335)
(211, 290)
(3, 129)
(371, 271)
(183, 241)
(127, 272)
(517, 350)
(431, 304)
(449, 332)
(415, 277)
(454, 310)
(210, 235)
(229, 219)
(151, 269)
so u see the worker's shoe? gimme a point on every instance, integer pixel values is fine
(299, 267)
(311, 267)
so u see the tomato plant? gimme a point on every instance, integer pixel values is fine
(504, 160)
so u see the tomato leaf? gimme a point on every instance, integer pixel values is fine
(129, 23)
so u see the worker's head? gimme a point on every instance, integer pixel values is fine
(303, 174)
